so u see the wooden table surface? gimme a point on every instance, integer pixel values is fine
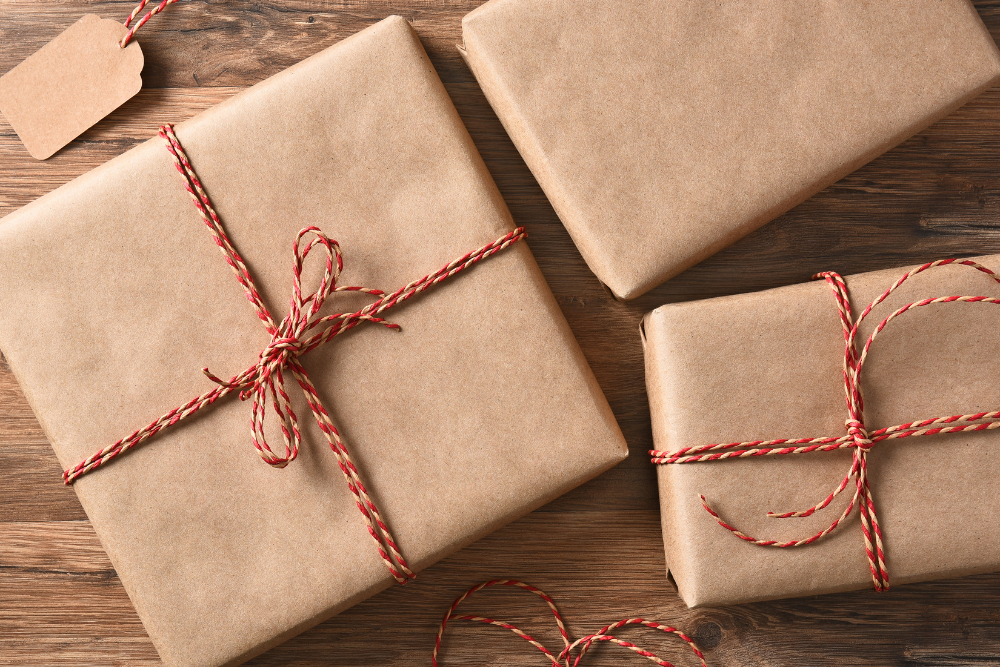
(598, 549)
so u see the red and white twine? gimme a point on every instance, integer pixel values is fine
(857, 437)
(566, 657)
(301, 331)
(135, 12)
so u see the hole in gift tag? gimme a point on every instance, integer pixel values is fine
(70, 83)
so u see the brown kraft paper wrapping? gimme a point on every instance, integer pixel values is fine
(664, 131)
(770, 365)
(115, 297)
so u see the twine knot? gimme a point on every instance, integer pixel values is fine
(857, 431)
(279, 350)
(275, 356)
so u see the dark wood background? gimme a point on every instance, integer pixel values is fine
(597, 550)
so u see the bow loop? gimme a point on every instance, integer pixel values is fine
(304, 308)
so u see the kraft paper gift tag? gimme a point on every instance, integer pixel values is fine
(770, 365)
(664, 131)
(479, 410)
(70, 83)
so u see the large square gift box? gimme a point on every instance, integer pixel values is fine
(115, 297)
(747, 395)
(665, 130)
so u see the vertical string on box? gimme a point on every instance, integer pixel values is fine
(386, 546)
(855, 428)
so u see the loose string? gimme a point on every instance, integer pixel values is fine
(566, 657)
(301, 331)
(135, 12)
(858, 439)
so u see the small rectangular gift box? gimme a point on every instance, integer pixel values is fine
(747, 396)
(116, 296)
(664, 131)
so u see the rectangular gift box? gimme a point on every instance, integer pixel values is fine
(664, 131)
(770, 365)
(115, 296)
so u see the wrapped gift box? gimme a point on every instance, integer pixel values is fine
(770, 365)
(115, 297)
(664, 131)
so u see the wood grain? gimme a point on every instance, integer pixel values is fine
(598, 549)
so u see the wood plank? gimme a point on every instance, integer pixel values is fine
(62, 595)
(61, 602)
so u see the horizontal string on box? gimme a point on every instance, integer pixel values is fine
(300, 332)
(573, 651)
(857, 438)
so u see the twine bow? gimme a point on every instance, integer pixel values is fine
(301, 331)
(291, 338)
(565, 658)
(858, 438)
